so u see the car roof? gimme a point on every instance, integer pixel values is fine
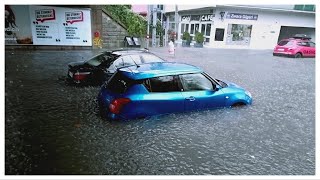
(151, 70)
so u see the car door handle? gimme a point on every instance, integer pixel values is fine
(191, 98)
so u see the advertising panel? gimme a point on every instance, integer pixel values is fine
(47, 25)
(17, 25)
(60, 26)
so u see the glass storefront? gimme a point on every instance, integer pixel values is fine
(203, 27)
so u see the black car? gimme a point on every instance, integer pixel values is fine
(101, 67)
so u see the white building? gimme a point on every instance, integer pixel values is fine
(242, 26)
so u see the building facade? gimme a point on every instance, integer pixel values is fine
(243, 27)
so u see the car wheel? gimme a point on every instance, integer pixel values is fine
(239, 104)
(298, 55)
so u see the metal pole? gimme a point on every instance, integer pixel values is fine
(154, 24)
(162, 27)
(176, 21)
(167, 28)
(148, 26)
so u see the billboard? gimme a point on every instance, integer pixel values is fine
(48, 25)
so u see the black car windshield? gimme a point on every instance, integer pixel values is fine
(96, 60)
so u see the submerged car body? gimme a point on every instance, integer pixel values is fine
(297, 47)
(101, 67)
(161, 88)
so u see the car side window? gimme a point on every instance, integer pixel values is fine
(162, 84)
(123, 61)
(196, 82)
(312, 44)
(305, 44)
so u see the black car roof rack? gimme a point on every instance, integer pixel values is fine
(301, 36)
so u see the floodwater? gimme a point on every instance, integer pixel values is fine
(54, 128)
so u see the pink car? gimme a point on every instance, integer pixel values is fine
(296, 47)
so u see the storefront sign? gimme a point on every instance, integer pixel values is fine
(242, 16)
(185, 18)
(207, 17)
(195, 17)
(204, 17)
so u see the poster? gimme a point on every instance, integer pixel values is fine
(17, 25)
(47, 25)
(60, 26)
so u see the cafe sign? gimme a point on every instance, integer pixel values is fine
(204, 17)
(242, 16)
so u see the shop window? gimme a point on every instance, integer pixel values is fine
(298, 7)
(182, 28)
(304, 7)
(187, 27)
(197, 28)
(203, 28)
(192, 29)
(309, 8)
(239, 34)
(208, 29)
(172, 26)
(219, 34)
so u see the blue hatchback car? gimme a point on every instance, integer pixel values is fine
(160, 88)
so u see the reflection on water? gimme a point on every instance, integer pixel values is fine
(52, 128)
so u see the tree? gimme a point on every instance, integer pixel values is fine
(136, 24)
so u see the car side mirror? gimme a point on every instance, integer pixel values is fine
(217, 88)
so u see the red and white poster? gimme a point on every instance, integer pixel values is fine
(60, 26)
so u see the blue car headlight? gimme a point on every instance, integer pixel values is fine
(248, 94)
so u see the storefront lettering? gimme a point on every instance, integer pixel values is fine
(208, 17)
(242, 16)
(185, 18)
(204, 17)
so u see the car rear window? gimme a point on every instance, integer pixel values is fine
(119, 83)
(285, 42)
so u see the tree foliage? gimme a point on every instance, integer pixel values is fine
(136, 24)
(199, 38)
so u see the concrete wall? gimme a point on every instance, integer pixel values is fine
(112, 33)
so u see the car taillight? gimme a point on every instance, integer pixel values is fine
(117, 104)
(80, 75)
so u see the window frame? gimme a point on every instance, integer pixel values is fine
(148, 85)
(214, 84)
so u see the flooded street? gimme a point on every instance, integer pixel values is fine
(54, 128)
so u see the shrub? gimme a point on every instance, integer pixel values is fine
(186, 36)
(199, 38)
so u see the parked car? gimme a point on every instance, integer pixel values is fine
(161, 88)
(99, 68)
(297, 47)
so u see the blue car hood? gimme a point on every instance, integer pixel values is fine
(233, 85)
